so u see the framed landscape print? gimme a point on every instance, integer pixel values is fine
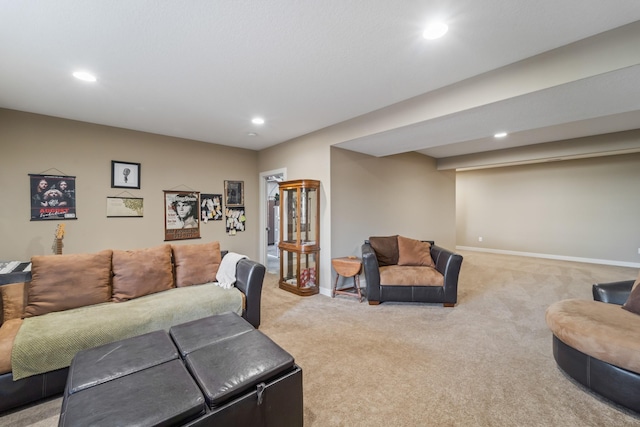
(181, 215)
(53, 197)
(125, 175)
(234, 193)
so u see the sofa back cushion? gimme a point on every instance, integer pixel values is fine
(141, 272)
(14, 300)
(197, 263)
(386, 249)
(61, 282)
(414, 252)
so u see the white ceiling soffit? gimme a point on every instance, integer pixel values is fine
(565, 109)
(202, 69)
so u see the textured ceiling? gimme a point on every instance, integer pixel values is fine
(202, 69)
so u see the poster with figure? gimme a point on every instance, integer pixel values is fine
(53, 197)
(210, 207)
(181, 219)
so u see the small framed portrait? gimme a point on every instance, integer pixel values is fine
(125, 174)
(234, 193)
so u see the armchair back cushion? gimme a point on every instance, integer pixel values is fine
(141, 272)
(386, 249)
(61, 282)
(196, 263)
(414, 252)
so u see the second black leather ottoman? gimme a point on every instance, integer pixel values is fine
(246, 378)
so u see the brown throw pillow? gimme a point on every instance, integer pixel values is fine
(141, 272)
(14, 300)
(386, 249)
(414, 252)
(633, 301)
(61, 282)
(196, 264)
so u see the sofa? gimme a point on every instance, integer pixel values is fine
(402, 269)
(597, 343)
(79, 301)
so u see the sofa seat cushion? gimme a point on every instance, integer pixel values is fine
(396, 275)
(8, 333)
(600, 330)
(49, 342)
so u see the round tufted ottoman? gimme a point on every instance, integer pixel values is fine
(598, 344)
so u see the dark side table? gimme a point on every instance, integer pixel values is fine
(347, 267)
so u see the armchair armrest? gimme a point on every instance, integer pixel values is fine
(249, 279)
(448, 264)
(371, 272)
(612, 292)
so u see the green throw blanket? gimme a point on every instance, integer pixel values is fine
(49, 342)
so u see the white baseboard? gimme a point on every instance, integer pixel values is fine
(547, 256)
(325, 291)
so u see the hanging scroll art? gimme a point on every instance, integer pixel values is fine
(53, 197)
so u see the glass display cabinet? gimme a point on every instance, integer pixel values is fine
(300, 236)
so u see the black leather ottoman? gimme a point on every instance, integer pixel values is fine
(246, 378)
(137, 381)
(230, 374)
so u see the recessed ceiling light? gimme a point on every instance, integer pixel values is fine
(435, 30)
(84, 76)
(257, 121)
(252, 134)
(500, 135)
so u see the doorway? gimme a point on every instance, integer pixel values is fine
(270, 217)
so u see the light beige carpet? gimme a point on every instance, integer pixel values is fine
(486, 362)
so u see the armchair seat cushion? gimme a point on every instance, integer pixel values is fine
(396, 275)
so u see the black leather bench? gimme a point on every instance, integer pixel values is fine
(217, 371)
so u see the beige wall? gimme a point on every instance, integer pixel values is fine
(585, 208)
(380, 196)
(35, 144)
(307, 158)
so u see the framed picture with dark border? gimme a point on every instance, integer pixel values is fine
(210, 207)
(234, 193)
(125, 174)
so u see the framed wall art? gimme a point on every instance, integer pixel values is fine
(210, 207)
(120, 207)
(235, 220)
(181, 215)
(125, 174)
(53, 197)
(234, 193)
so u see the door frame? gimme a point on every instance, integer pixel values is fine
(262, 241)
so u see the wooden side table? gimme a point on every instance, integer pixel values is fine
(347, 267)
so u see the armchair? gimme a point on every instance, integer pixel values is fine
(406, 270)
